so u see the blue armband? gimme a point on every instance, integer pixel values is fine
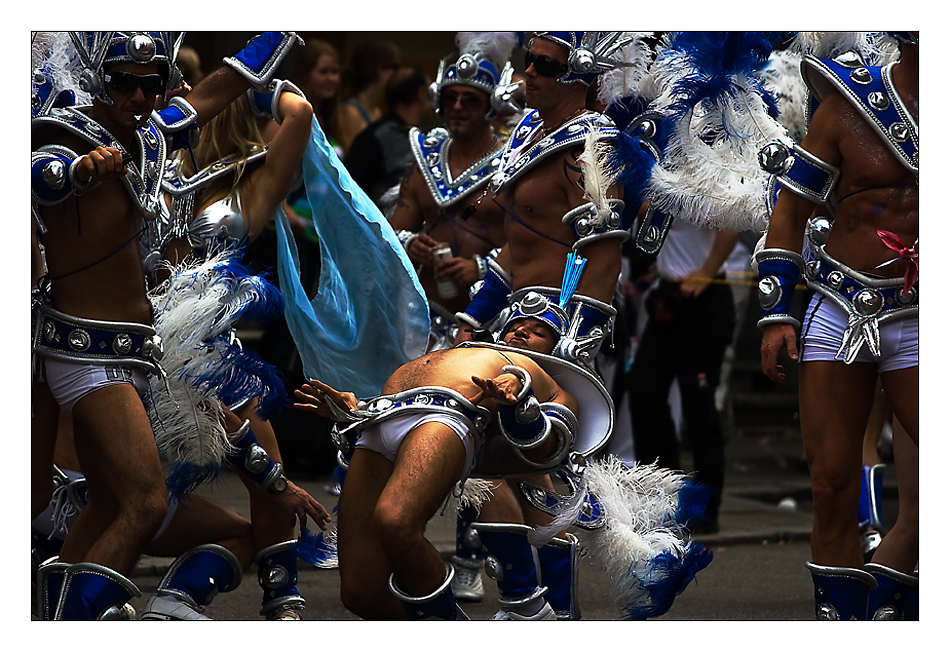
(800, 171)
(779, 270)
(250, 458)
(527, 424)
(260, 58)
(266, 104)
(53, 175)
(490, 297)
(178, 121)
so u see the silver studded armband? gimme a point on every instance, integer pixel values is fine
(249, 457)
(267, 104)
(53, 175)
(779, 272)
(527, 423)
(590, 222)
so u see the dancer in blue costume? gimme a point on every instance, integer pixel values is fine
(857, 166)
(435, 207)
(218, 210)
(96, 180)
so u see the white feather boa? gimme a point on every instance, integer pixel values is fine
(194, 311)
(643, 549)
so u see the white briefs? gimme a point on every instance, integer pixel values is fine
(70, 381)
(823, 330)
(385, 436)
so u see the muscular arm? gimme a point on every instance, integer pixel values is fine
(787, 225)
(281, 166)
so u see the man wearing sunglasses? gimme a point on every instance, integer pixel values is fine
(96, 183)
(541, 188)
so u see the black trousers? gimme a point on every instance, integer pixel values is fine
(683, 340)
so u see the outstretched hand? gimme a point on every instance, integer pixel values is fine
(316, 396)
(501, 389)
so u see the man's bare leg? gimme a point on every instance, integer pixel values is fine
(364, 566)
(126, 488)
(900, 549)
(428, 465)
(835, 401)
(43, 425)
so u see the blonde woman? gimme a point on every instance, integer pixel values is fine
(238, 184)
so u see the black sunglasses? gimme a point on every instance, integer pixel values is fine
(468, 101)
(544, 65)
(126, 82)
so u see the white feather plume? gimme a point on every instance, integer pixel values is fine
(783, 79)
(597, 173)
(875, 48)
(640, 504)
(493, 46)
(633, 79)
(54, 53)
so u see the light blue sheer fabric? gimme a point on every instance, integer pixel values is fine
(370, 314)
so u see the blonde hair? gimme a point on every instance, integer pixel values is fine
(237, 132)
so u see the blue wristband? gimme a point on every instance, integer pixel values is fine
(779, 273)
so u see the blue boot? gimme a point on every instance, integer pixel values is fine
(277, 574)
(192, 582)
(896, 596)
(511, 563)
(870, 521)
(49, 584)
(840, 593)
(438, 605)
(557, 561)
(93, 592)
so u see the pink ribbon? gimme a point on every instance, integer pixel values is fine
(893, 242)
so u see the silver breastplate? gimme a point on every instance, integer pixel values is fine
(221, 221)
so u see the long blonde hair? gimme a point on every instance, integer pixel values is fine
(237, 132)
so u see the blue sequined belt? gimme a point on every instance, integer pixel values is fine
(64, 337)
(439, 400)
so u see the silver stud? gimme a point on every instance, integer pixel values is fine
(878, 100)
(861, 76)
(899, 132)
(79, 340)
(54, 174)
(122, 343)
(835, 279)
(770, 292)
(141, 48)
(868, 302)
(776, 158)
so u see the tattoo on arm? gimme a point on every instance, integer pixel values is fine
(572, 169)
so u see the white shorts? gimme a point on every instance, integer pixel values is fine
(823, 331)
(70, 381)
(385, 437)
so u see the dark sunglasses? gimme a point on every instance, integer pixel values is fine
(544, 65)
(468, 101)
(126, 82)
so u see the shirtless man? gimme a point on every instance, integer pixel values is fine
(874, 208)
(95, 273)
(541, 190)
(452, 166)
(537, 195)
(406, 462)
